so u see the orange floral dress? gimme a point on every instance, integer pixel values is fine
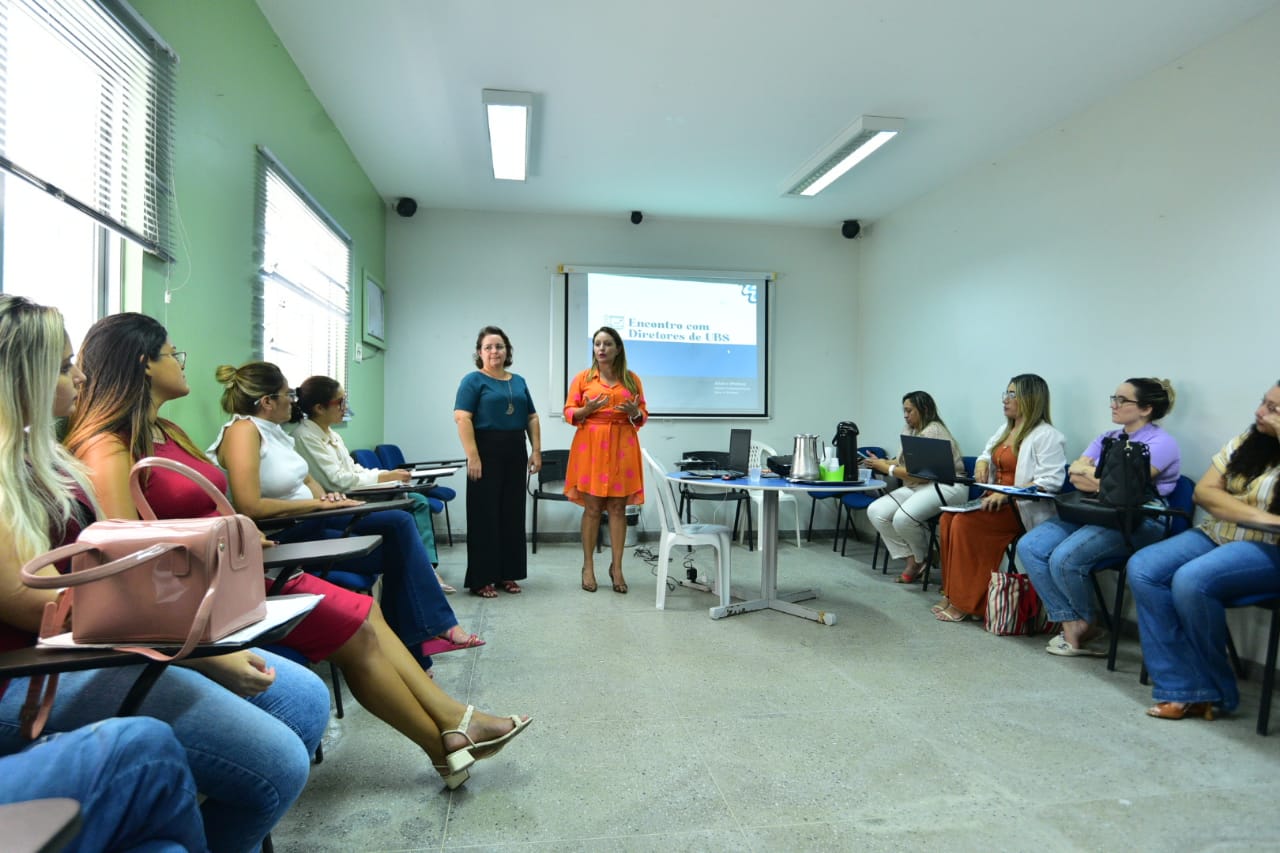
(604, 459)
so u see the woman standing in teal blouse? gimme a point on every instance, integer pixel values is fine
(494, 411)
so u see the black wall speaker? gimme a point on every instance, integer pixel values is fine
(406, 207)
(636, 217)
(851, 228)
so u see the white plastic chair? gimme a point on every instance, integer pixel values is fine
(760, 453)
(676, 533)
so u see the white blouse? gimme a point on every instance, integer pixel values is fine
(331, 462)
(282, 473)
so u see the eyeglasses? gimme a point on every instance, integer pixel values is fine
(292, 396)
(1009, 395)
(341, 402)
(494, 347)
(180, 357)
(1121, 401)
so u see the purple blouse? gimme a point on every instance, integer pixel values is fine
(1165, 456)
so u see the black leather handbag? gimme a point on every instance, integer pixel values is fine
(1124, 485)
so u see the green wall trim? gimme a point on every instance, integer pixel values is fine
(238, 88)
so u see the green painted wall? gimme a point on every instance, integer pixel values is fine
(238, 88)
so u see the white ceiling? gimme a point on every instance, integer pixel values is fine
(703, 108)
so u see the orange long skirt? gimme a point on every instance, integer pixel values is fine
(973, 546)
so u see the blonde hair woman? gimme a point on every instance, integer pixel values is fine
(248, 721)
(1025, 451)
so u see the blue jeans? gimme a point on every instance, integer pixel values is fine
(1060, 557)
(250, 758)
(130, 777)
(412, 600)
(1179, 586)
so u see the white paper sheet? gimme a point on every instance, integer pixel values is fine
(280, 609)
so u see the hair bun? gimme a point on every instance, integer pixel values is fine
(1168, 389)
(226, 374)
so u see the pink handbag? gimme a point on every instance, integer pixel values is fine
(175, 581)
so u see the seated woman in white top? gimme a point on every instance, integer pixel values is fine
(324, 403)
(901, 515)
(268, 479)
(1026, 451)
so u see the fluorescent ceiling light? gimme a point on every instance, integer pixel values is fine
(508, 115)
(857, 142)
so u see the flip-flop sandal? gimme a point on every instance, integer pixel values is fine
(440, 645)
(944, 616)
(486, 591)
(444, 587)
(511, 587)
(1059, 646)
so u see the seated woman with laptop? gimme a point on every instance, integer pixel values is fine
(901, 516)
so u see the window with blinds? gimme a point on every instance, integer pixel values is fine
(303, 304)
(86, 113)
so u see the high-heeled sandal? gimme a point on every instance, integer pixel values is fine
(1178, 710)
(461, 759)
(592, 587)
(618, 586)
(452, 781)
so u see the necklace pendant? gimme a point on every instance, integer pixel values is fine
(511, 409)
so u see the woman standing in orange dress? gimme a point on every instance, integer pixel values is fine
(606, 404)
(1025, 451)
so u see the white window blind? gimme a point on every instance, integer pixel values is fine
(304, 299)
(86, 113)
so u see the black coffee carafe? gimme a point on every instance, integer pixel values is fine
(846, 444)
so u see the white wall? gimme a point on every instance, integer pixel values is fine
(1140, 237)
(451, 272)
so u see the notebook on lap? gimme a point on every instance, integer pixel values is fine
(739, 455)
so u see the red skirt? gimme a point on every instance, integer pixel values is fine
(334, 621)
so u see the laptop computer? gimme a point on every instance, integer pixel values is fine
(931, 459)
(739, 456)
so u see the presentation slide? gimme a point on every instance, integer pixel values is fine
(700, 346)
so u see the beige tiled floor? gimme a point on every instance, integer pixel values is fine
(663, 730)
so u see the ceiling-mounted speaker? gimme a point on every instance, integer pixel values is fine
(406, 207)
(851, 228)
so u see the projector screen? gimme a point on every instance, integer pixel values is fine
(698, 341)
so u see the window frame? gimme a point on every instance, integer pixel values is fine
(268, 167)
